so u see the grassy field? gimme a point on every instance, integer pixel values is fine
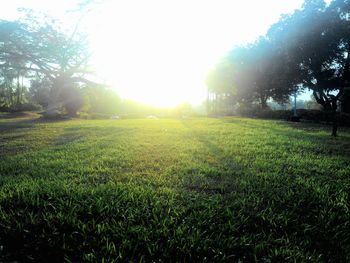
(222, 190)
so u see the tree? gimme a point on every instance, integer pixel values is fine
(43, 48)
(307, 49)
(221, 93)
(254, 73)
(11, 75)
(267, 73)
(39, 91)
(315, 40)
(102, 99)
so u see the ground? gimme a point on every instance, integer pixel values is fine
(229, 189)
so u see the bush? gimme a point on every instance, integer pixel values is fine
(53, 115)
(96, 116)
(255, 111)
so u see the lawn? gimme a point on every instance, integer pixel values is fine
(167, 190)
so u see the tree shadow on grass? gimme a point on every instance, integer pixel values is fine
(24, 120)
(16, 124)
(15, 121)
(219, 176)
(310, 127)
(79, 134)
(302, 144)
(12, 131)
(315, 133)
(16, 136)
(299, 130)
(13, 115)
(287, 207)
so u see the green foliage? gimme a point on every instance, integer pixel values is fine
(208, 190)
(184, 110)
(72, 98)
(255, 111)
(39, 91)
(315, 40)
(102, 100)
(37, 48)
(309, 48)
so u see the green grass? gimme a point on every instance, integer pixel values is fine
(230, 189)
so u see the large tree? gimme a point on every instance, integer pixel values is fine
(315, 41)
(37, 45)
(254, 73)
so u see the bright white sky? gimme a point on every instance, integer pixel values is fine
(159, 51)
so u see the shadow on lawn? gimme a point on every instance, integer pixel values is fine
(12, 115)
(16, 124)
(322, 142)
(286, 207)
(15, 132)
(316, 128)
(15, 121)
(297, 130)
(221, 174)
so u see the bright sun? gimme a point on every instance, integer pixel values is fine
(159, 51)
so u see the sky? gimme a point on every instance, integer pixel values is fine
(159, 51)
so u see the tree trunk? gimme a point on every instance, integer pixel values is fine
(18, 92)
(263, 103)
(335, 117)
(22, 90)
(10, 90)
(335, 126)
(53, 105)
(214, 103)
(208, 103)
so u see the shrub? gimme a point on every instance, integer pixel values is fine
(97, 116)
(256, 112)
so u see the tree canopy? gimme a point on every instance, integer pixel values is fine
(37, 47)
(308, 49)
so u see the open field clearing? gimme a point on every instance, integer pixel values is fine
(186, 190)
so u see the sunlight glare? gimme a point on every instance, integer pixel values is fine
(158, 52)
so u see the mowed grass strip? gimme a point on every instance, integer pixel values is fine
(173, 190)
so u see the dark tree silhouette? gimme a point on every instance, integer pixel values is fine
(254, 73)
(316, 41)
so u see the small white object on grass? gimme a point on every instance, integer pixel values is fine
(115, 117)
(152, 117)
